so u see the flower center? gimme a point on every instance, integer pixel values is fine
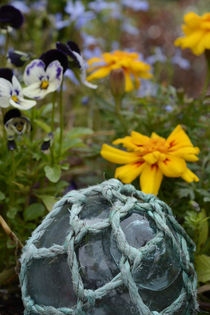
(15, 99)
(44, 85)
(157, 144)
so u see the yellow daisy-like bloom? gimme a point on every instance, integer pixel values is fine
(129, 62)
(197, 33)
(153, 157)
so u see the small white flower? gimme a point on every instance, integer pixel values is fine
(41, 81)
(11, 93)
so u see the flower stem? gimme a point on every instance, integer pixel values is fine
(207, 80)
(6, 49)
(3, 129)
(53, 126)
(118, 104)
(61, 117)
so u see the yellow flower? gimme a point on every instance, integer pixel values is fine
(153, 157)
(129, 62)
(197, 33)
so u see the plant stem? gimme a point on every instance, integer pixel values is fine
(118, 103)
(207, 82)
(61, 117)
(52, 148)
(6, 49)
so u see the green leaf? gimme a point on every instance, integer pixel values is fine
(48, 201)
(42, 125)
(2, 195)
(53, 173)
(34, 211)
(202, 228)
(78, 132)
(73, 143)
(202, 263)
(11, 213)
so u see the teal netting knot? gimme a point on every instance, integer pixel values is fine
(109, 249)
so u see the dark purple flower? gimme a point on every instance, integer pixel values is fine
(10, 16)
(55, 54)
(18, 58)
(69, 48)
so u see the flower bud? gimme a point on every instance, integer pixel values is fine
(117, 82)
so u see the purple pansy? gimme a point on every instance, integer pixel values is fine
(11, 93)
(43, 76)
(10, 17)
(72, 50)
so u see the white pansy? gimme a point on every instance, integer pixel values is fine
(41, 81)
(83, 71)
(11, 93)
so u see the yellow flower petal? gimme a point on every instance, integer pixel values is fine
(187, 153)
(129, 172)
(189, 176)
(94, 60)
(100, 73)
(178, 139)
(172, 166)
(127, 143)
(151, 179)
(118, 156)
(128, 82)
(138, 138)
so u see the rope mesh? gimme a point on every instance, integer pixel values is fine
(123, 199)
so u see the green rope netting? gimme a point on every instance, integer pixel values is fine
(123, 199)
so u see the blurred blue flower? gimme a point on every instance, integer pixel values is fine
(169, 108)
(177, 59)
(88, 40)
(147, 88)
(158, 56)
(90, 53)
(115, 45)
(100, 5)
(136, 5)
(85, 100)
(2, 40)
(70, 74)
(77, 13)
(20, 5)
(130, 29)
(39, 5)
(59, 22)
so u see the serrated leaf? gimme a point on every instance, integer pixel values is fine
(2, 195)
(42, 125)
(48, 201)
(202, 263)
(53, 173)
(34, 211)
(78, 132)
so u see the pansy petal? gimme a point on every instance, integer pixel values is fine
(23, 104)
(55, 72)
(34, 91)
(34, 71)
(178, 139)
(16, 85)
(83, 71)
(151, 179)
(118, 156)
(129, 172)
(189, 176)
(5, 92)
(172, 166)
